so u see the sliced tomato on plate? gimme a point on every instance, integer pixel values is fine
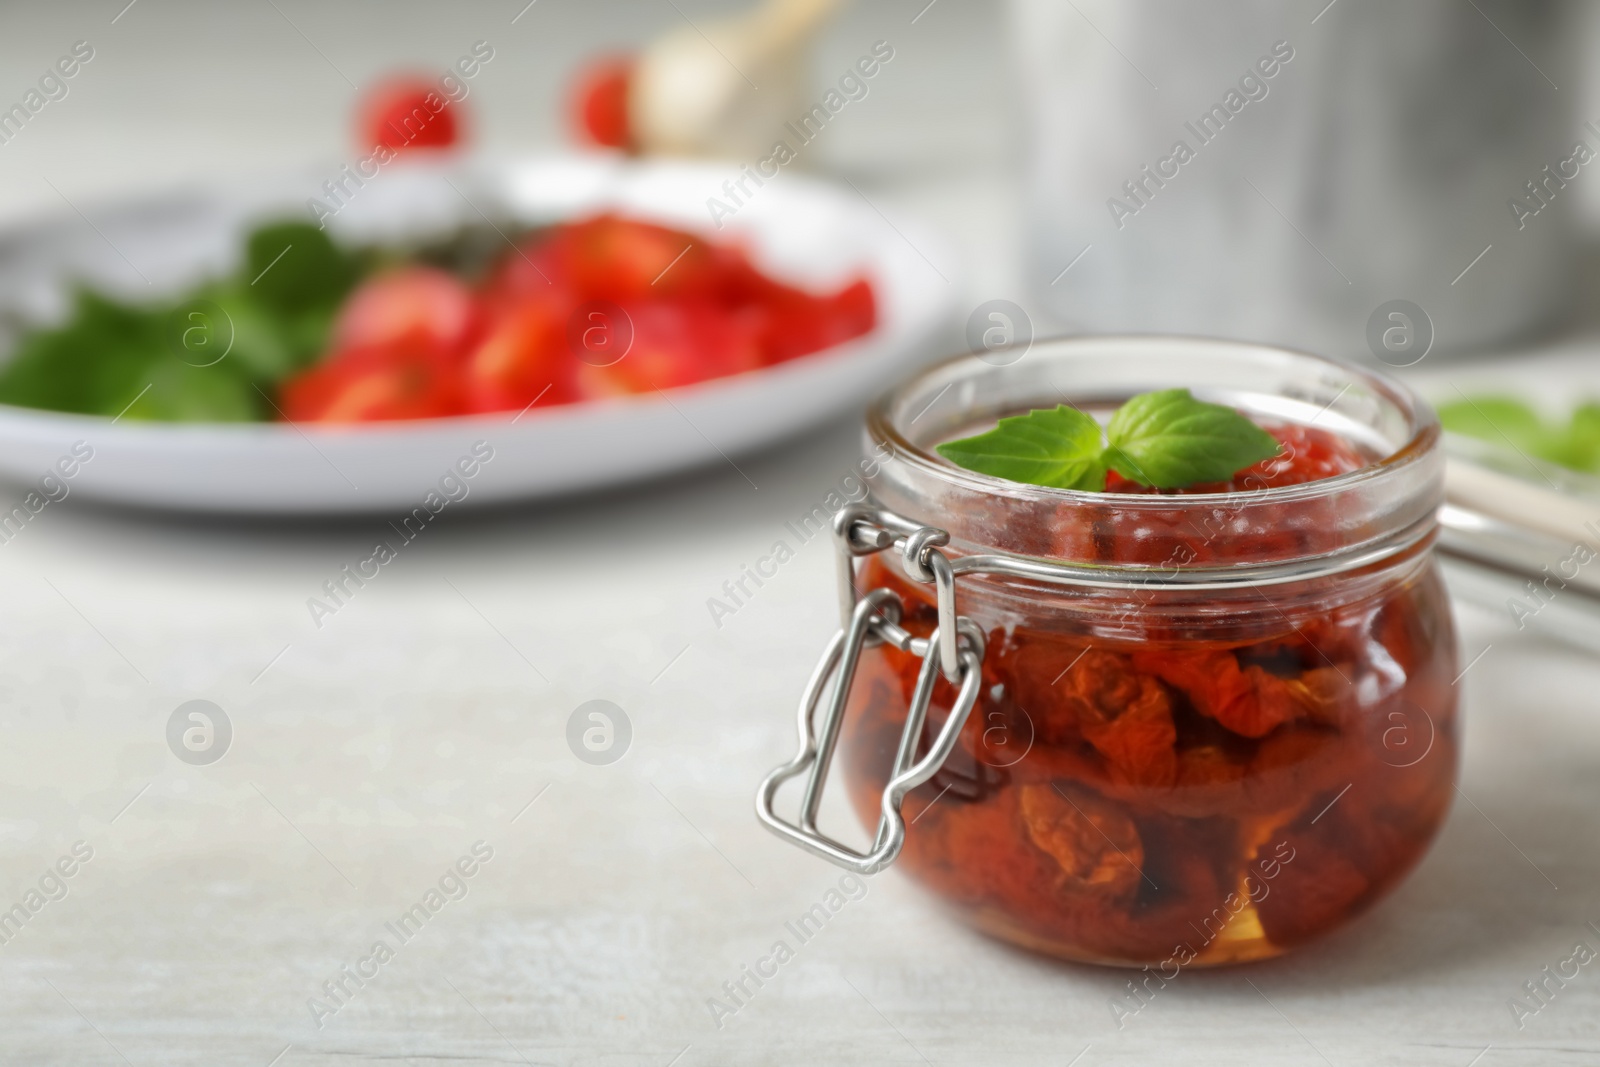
(602, 307)
(523, 359)
(794, 323)
(675, 343)
(611, 258)
(375, 384)
(531, 271)
(413, 306)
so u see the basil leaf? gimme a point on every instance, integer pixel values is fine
(1584, 436)
(1169, 440)
(1058, 448)
(182, 393)
(1495, 418)
(1503, 420)
(112, 359)
(294, 267)
(91, 365)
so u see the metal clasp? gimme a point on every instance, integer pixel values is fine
(955, 648)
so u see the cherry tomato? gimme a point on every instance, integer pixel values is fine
(794, 323)
(523, 359)
(600, 101)
(853, 311)
(416, 306)
(675, 343)
(531, 271)
(610, 258)
(375, 384)
(408, 112)
(673, 309)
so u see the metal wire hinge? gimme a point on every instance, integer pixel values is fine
(955, 649)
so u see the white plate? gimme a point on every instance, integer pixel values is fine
(800, 230)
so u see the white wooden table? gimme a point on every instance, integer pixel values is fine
(370, 755)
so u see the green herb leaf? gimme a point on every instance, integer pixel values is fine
(1169, 439)
(1166, 439)
(111, 359)
(1059, 448)
(91, 365)
(1495, 418)
(293, 267)
(269, 319)
(1505, 421)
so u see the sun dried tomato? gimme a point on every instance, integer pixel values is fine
(1143, 529)
(1095, 844)
(1136, 739)
(1071, 692)
(1207, 765)
(1250, 702)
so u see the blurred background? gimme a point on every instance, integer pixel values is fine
(1404, 186)
(199, 93)
(1376, 167)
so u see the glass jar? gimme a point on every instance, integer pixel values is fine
(1161, 729)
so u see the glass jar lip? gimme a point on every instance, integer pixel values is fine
(1424, 426)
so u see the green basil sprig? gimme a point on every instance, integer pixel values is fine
(1166, 439)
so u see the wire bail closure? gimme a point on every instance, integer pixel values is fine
(955, 649)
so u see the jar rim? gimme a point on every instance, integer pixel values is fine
(1424, 437)
(1376, 510)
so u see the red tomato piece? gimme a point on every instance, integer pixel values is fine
(374, 384)
(532, 271)
(611, 258)
(600, 101)
(853, 310)
(1094, 841)
(408, 112)
(674, 343)
(1208, 765)
(1035, 665)
(795, 323)
(1319, 882)
(1308, 454)
(1250, 702)
(693, 310)
(1069, 692)
(522, 360)
(413, 306)
(1138, 745)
